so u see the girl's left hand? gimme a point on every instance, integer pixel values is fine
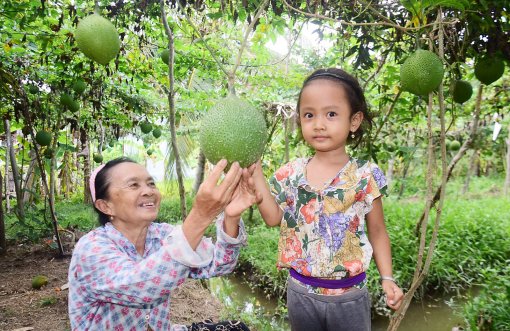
(245, 194)
(394, 294)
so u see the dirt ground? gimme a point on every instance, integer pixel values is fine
(23, 308)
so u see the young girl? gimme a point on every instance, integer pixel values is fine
(330, 211)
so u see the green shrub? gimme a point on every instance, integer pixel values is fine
(489, 311)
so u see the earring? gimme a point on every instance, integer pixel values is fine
(353, 135)
(111, 218)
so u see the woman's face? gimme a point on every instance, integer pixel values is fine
(132, 194)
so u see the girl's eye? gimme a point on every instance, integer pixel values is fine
(307, 115)
(331, 114)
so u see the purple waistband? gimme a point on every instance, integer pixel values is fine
(328, 283)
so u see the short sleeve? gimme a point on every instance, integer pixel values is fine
(378, 181)
(278, 190)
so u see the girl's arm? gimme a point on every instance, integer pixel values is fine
(380, 241)
(269, 209)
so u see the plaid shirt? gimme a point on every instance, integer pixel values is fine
(111, 287)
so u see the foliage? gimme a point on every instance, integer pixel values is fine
(489, 309)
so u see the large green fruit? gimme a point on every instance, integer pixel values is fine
(454, 145)
(79, 86)
(33, 89)
(421, 73)
(146, 127)
(233, 130)
(75, 106)
(97, 38)
(48, 153)
(156, 132)
(43, 138)
(165, 56)
(39, 281)
(66, 100)
(461, 91)
(489, 69)
(97, 157)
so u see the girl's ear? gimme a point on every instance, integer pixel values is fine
(103, 206)
(356, 120)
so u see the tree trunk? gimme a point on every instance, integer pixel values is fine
(20, 210)
(7, 190)
(86, 166)
(171, 104)
(389, 173)
(199, 176)
(506, 189)
(28, 184)
(473, 162)
(3, 241)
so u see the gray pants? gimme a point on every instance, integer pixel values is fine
(312, 312)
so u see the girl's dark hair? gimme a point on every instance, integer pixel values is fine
(354, 95)
(102, 183)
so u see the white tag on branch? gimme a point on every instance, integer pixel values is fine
(497, 129)
(24, 329)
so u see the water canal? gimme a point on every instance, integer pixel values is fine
(429, 314)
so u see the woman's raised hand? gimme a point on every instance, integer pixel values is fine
(245, 194)
(212, 197)
(211, 200)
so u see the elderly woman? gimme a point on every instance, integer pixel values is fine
(122, 273)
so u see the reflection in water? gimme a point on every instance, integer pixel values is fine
(429, 314)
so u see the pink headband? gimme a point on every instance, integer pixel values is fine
(92, 182)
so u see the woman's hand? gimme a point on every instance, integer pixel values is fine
(394, 294)
(211, 200)
(245, 194)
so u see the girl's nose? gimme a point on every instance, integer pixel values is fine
(318, 124)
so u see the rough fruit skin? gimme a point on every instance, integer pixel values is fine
(454, 145)
(39, 281)
(146, 127)
(461, 91)
(156, 133)
(79, 86)
(98, 158)
(489, 69)
(97, 38)
(421, 73)
(165, 56)
(43, 138)
(33, 89)
(66, 100)
(233, 130)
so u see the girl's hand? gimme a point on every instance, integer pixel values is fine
(245, 194)
(394, 294)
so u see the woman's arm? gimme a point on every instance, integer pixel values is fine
(269, 209)
(380, 241)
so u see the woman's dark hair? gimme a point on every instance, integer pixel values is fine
(102, 183)
(354, 95)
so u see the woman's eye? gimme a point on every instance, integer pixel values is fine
(151, 184)
(133, 185)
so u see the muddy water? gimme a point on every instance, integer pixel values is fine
(429, 314)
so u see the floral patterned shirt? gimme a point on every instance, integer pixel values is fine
(112, 287)
(323, 233)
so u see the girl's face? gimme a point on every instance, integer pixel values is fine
(325, 116)
(133, 197)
